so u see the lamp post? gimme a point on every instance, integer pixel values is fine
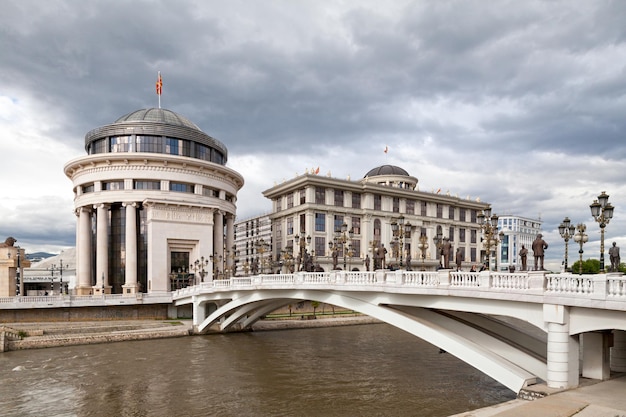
(423, 247)
(340, 240)
(582, 238)
(287, 258)
(198, 267)
(438, 239)
(566, 230)
(262, 246)
(489, 225)
(401, 231)
(302, 243)
(60, 269)
(602, 212)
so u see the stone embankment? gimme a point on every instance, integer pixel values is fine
(18, 336)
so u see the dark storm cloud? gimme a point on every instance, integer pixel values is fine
(520, 103)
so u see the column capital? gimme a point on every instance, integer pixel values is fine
(130, 203)
(101, 206)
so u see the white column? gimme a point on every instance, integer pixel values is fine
(102, 249)
(130, 284)
(218, 238)
(595, 350)
(563, 349)
(230, 238)
(83, 243)
(618, 351)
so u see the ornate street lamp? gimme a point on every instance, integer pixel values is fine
(198, 268)
(438, 239)
(262, 247)
(489, 225)
(566, 230)
(602, 212)
(423, 247)
(287, 259)
(581, 238)
(340, 240)
(302, 243)
(401, 231)
(60, 269)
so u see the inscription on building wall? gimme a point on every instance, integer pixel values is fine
(181, 214)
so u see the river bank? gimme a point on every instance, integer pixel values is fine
(20, 336)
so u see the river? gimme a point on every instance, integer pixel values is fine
(364, 370)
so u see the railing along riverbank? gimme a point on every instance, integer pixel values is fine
(56, 301)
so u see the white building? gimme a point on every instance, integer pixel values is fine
(517, 232)
(253, 245)
(309, 211)
(152, 197)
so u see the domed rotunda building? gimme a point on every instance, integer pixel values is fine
(155, 205)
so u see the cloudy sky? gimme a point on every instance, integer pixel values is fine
(522, 104)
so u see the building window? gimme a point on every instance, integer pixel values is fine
(378, 202)
(439, 211)
(339, 198)
(320, 222)
(320, 195)
(356, 225)
(377, 229)
(113, 185)
(210, 192)
(320, 246)
(473, 236)
(290, 201)
(396, 204)
(87, 188)
(410, 207)
(451, 213)
(356, 200)
(120, 144)
(302, 196)
(181, 187)
(278, 203)
(153, 144)
(473, 216)
(290, 225)
(423, 210)
(338, 222)
(462, 214)
(462, 235)
(356, 248)
(146, 185)
(451, 234)
(473, 254)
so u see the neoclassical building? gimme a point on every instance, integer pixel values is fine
(383, 211)
(155, 204)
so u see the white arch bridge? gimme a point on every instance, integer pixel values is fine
(518, 328)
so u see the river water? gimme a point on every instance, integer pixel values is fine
(364, 370)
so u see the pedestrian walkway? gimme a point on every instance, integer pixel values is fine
(602, 399)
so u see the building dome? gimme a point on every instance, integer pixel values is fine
(387, 170)
(155, 131)
(159, 116)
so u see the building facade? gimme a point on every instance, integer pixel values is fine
(516, 232)
(375, 222)
(253, 245)
(155, 204)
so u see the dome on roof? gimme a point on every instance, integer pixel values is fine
(158, 115)
(387, 170)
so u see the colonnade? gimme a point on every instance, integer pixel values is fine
(85, 253)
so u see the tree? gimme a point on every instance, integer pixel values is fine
(315, 305)
(590, 266)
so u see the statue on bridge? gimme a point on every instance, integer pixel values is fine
(446, 251)
(367, 263)
(335, 255)
(539, 246)
(615, 259)
(408, 261)
(459, 258)
(523, 254)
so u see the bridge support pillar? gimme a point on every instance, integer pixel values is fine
(618, 351)
(595, 347)
(199, 314)
(562, 369)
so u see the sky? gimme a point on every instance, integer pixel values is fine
(520, 104)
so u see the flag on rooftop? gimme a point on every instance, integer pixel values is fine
(159, 84)
(386, 149)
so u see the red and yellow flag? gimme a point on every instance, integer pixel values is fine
(159, 84)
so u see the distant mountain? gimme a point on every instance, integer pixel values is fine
(38, 256)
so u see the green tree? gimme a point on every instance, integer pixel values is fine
(590, 266)
(315, 305)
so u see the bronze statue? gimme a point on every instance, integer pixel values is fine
(459, 258)
(367, 262)
(335, 255)
(523, 254)
(446, 249)
(9, 242)
(539, 246)
(615, 259)
(408, 261)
